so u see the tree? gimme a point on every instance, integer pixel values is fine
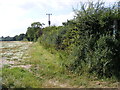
(34, 31)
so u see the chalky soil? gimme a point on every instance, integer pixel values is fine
(12, 53)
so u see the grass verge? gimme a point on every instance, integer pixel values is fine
(49, 64)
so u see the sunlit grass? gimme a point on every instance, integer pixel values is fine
(47, 61)
(19, 78)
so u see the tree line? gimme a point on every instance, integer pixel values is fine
(15, 38)
(32, 33)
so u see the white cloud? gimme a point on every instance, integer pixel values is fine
(57, 20)
(17, 15)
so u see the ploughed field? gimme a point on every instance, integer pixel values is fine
(12, 53)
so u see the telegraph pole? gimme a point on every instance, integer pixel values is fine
(49, 22)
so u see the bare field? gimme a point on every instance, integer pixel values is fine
(13, 52)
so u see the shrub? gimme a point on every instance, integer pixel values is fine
(103, 60)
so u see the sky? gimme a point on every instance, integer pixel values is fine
(17, 15)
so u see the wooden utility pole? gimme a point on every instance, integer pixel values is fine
(49, 22)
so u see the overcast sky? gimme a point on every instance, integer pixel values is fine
(17, 15)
